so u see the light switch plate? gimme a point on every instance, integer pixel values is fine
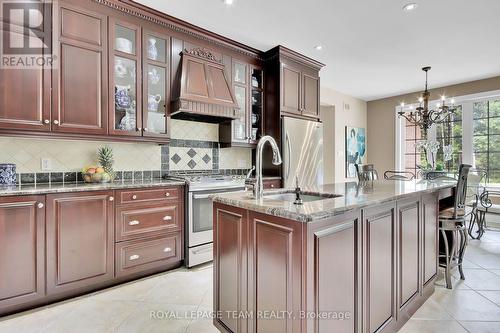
(46, 164)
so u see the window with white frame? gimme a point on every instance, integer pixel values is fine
(473, 132)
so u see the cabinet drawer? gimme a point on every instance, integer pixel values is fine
(146, 220)
(142, 195)
(141, 255)
(272, 183)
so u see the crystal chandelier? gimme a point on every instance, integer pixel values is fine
(422, 116)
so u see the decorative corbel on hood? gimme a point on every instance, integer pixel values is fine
(205, 93)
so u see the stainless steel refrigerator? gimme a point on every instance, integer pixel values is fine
(302, 150)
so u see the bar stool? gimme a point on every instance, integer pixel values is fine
(398, 175)
(452, 226)
(366, 172)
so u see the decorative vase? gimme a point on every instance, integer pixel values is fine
(153, 102)
(154, 76)
(122, 98)
(7, 174)
(152, 51)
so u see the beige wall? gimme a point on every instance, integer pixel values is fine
(381, 118)
(338, 111)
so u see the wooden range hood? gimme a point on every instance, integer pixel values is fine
(205, 93)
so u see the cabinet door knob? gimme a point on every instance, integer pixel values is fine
(167, 194)
(167, 249)
(167, 218)
(272, 185)
(46, 121)
(134, 222)
(56, 122)
(134, 257)
(134, 197)
(138, 129)
(111, 198)
(145, 129)
(40, 205)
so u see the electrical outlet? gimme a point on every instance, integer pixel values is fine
(46, 164)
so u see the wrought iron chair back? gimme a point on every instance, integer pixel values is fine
(366, 172)
(433, 175)
(461, 190)
(399, 175)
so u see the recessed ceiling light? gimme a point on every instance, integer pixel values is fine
(410, 6)
(228, 2)
(318, 47)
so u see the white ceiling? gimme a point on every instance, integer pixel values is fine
(371, 48)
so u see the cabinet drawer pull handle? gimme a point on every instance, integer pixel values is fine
(167, 218)
(111, 199)
(167, 249)
(167, 194)
(134, 222)
(134, 197)
(39, 205)
(134, 257)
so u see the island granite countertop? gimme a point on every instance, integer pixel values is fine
(46, 188)
(351, 196)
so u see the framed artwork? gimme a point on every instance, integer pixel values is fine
(355, 149)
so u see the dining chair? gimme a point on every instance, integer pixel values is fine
(366, 172)
(476, 186)
(486, 205)
(434, 175)
(452, 227)
(399, 175)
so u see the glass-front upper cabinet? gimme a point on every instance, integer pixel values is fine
(257, 102)
(240, 79)
(125, 64)
(155, 84)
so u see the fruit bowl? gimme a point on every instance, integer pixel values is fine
(101, 177)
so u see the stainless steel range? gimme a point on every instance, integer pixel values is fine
(199, 219)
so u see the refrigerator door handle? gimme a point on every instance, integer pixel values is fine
(289, 155)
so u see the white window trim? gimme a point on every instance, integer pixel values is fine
(467, 126)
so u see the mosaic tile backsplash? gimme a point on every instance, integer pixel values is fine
(193, 148)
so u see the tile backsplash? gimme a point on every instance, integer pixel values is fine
(73, 155)
(193, 147)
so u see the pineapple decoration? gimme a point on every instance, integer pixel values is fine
(105, 158)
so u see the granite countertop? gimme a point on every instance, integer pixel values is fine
(33, 189)
(351, 197)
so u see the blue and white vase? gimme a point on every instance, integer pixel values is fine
(152, 51)
(7, 174)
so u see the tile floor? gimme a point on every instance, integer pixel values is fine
(147, 305)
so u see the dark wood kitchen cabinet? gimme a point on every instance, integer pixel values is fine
(292, 83)
(22, 250)
(80, 80)
(375, 256)
(79, 240)
(25, 92)
(247, 83)
(334, 246)
(231, 266)
(430, 212)
(299, 90)
(409, 224)
(379, 263)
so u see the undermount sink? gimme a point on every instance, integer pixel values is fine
(290, 197)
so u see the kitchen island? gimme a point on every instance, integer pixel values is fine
(351, 258)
